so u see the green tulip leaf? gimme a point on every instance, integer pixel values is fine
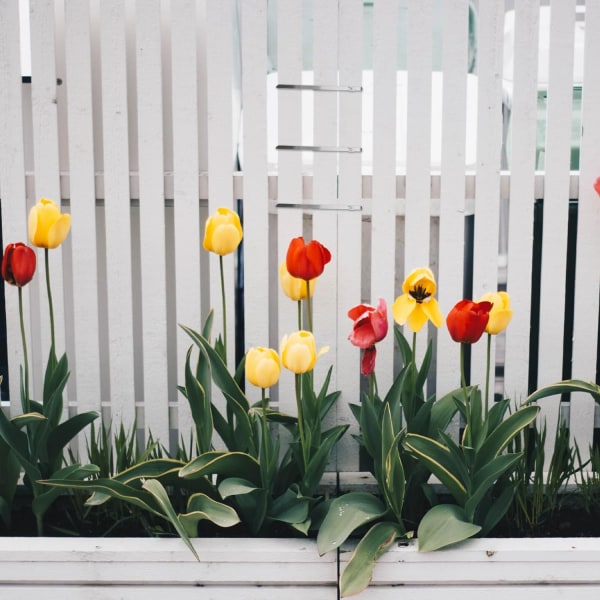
(359, 570)
(200, 508)
(225, 464)
(157, 490)
(443, 463)
(290, 507)
(27, 419)
(236, 486)
(199, 406)
(500, 437)
(346, 514)
(443, 525)
(220, 373)
(64, 433)
(42, 502)
(564, 387)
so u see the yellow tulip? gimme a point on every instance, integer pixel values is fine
(293, 287)
(48, 227)
(299, 352)
(501, 313)
(262, 367)
(222, 232)
(417, 305)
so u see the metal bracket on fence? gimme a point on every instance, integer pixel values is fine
(319, 88)
(319, 148)
(309, 206)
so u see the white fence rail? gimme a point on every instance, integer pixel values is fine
(137, 115)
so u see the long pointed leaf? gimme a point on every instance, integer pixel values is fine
(157, 490)
(225, 464)
(563, 387)
(346, 514)
(359, 570)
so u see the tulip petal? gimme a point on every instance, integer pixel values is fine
(432, 310)
(402, 308)
(58, 232)
(417, 318)
(367, 364)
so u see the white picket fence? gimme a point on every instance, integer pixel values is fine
(137, 115)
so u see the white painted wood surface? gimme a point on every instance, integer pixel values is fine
(139, 143)
(269, 568)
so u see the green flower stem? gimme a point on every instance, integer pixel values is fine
(309, 306)
(465, 392)
(487, 374)
(267, 456)
(299, 315)
(50, 304)
(25, 399)
(305, 450)
(224, 308)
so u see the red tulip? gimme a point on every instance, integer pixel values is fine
(370, 326)
(597, 186)
(306, 261)
(466, 322)
(18, 264)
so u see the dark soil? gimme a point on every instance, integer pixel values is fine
(69, 517)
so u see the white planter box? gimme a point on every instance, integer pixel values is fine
(165, 569)
(490, 569)
(290, 569)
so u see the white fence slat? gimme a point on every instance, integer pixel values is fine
(188, 240)
(418, 134)
(259, 267)
(152, 218)
(289, 188)
(489, 143)
(324, 226)
(219, 53)
(83, 206)
(556, 206)
(349, 228)
(452, 192)
(523, 126)
(587, 274)
(383, 219)
(418, 144)
(45, 155)
(117, 210)
(12, 186)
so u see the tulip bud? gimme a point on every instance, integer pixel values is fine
(18, 264)
(262, 367)
(299, 352)
(466, 322)
(306, 261)
(222, 232)
(48, 227)
(292, 287)
(501, 313)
